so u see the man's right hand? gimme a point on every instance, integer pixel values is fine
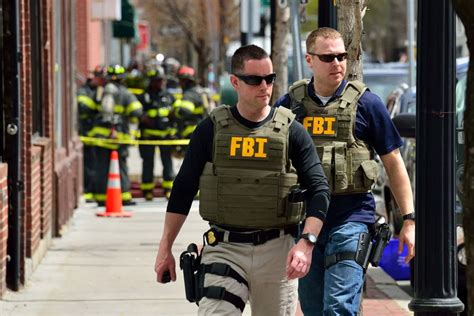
(164, 259)
(165, 262)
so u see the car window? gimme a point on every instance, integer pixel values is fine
(461, 93)
(382, 81)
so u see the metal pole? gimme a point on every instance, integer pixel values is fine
(250, 9)
(273, 8)
(14, 135)
(327, 14)
(411, 42)
(2, 118)
(435, 263)
(295, 34)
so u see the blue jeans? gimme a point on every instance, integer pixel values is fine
(337, 290)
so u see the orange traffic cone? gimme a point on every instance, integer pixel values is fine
(113, 200)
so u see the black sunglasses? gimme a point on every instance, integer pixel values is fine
(328, 58)
(254, 80)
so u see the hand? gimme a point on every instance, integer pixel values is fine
(299, 258)
(407, 237)
(165, 262)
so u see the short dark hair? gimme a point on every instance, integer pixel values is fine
(245, 53)
(324, 32)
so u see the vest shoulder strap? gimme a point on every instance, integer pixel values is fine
(298, 90)
(352, 92)
(220, 115)
(283, 116)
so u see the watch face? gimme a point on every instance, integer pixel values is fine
(310, 237)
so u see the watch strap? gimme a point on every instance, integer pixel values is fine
(311, 238)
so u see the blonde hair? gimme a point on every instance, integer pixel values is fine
(325, 32)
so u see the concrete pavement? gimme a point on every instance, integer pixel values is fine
(104, 266)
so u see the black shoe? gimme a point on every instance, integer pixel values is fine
(100, 203)
(128, 203)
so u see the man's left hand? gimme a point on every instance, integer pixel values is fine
(407, 237)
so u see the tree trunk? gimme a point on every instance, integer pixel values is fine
(465, 11)
(280, 51)
(349, 20)
(228, 26)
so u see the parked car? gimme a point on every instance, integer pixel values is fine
(404, 117)
(382, 79)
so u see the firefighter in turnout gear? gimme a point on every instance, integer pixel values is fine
(135, 82)
(155, 125)
(251, 163)
(191, 109)
(171, 67)
(88, 107)
(116, 110)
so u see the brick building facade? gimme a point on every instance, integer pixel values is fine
(40, 153)
(89, 40)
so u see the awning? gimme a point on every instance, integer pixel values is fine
(125, 28)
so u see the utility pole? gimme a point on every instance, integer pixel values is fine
(435, 262)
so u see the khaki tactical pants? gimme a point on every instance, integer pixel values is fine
(264, 267)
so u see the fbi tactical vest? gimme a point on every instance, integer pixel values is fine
(347, 161)
(251, 175)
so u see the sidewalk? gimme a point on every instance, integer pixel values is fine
(104, 266)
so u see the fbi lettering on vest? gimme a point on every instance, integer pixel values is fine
(321, 125)
(248, 147)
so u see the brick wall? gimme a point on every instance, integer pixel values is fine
(89, 44)
(3, 226)
(46, 179)
(33, 201)
(26, 118)
(81, 40)
(47, 55)
(64, 186)
(96, 44)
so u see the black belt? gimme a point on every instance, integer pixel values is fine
(256, 238)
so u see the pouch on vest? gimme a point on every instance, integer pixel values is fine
(295, 206)
(371, 172)
(345, 171)
(265, 191)
(341, 181)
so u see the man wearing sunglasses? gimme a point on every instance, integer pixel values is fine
(348, 125)
(255, 166)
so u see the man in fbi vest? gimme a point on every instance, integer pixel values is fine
(348, 125)
(246, 160)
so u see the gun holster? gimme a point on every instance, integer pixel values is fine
(369, 248)
(381, 238)
(189, 262)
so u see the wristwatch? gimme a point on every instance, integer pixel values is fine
(311, 238)
(409, 216)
